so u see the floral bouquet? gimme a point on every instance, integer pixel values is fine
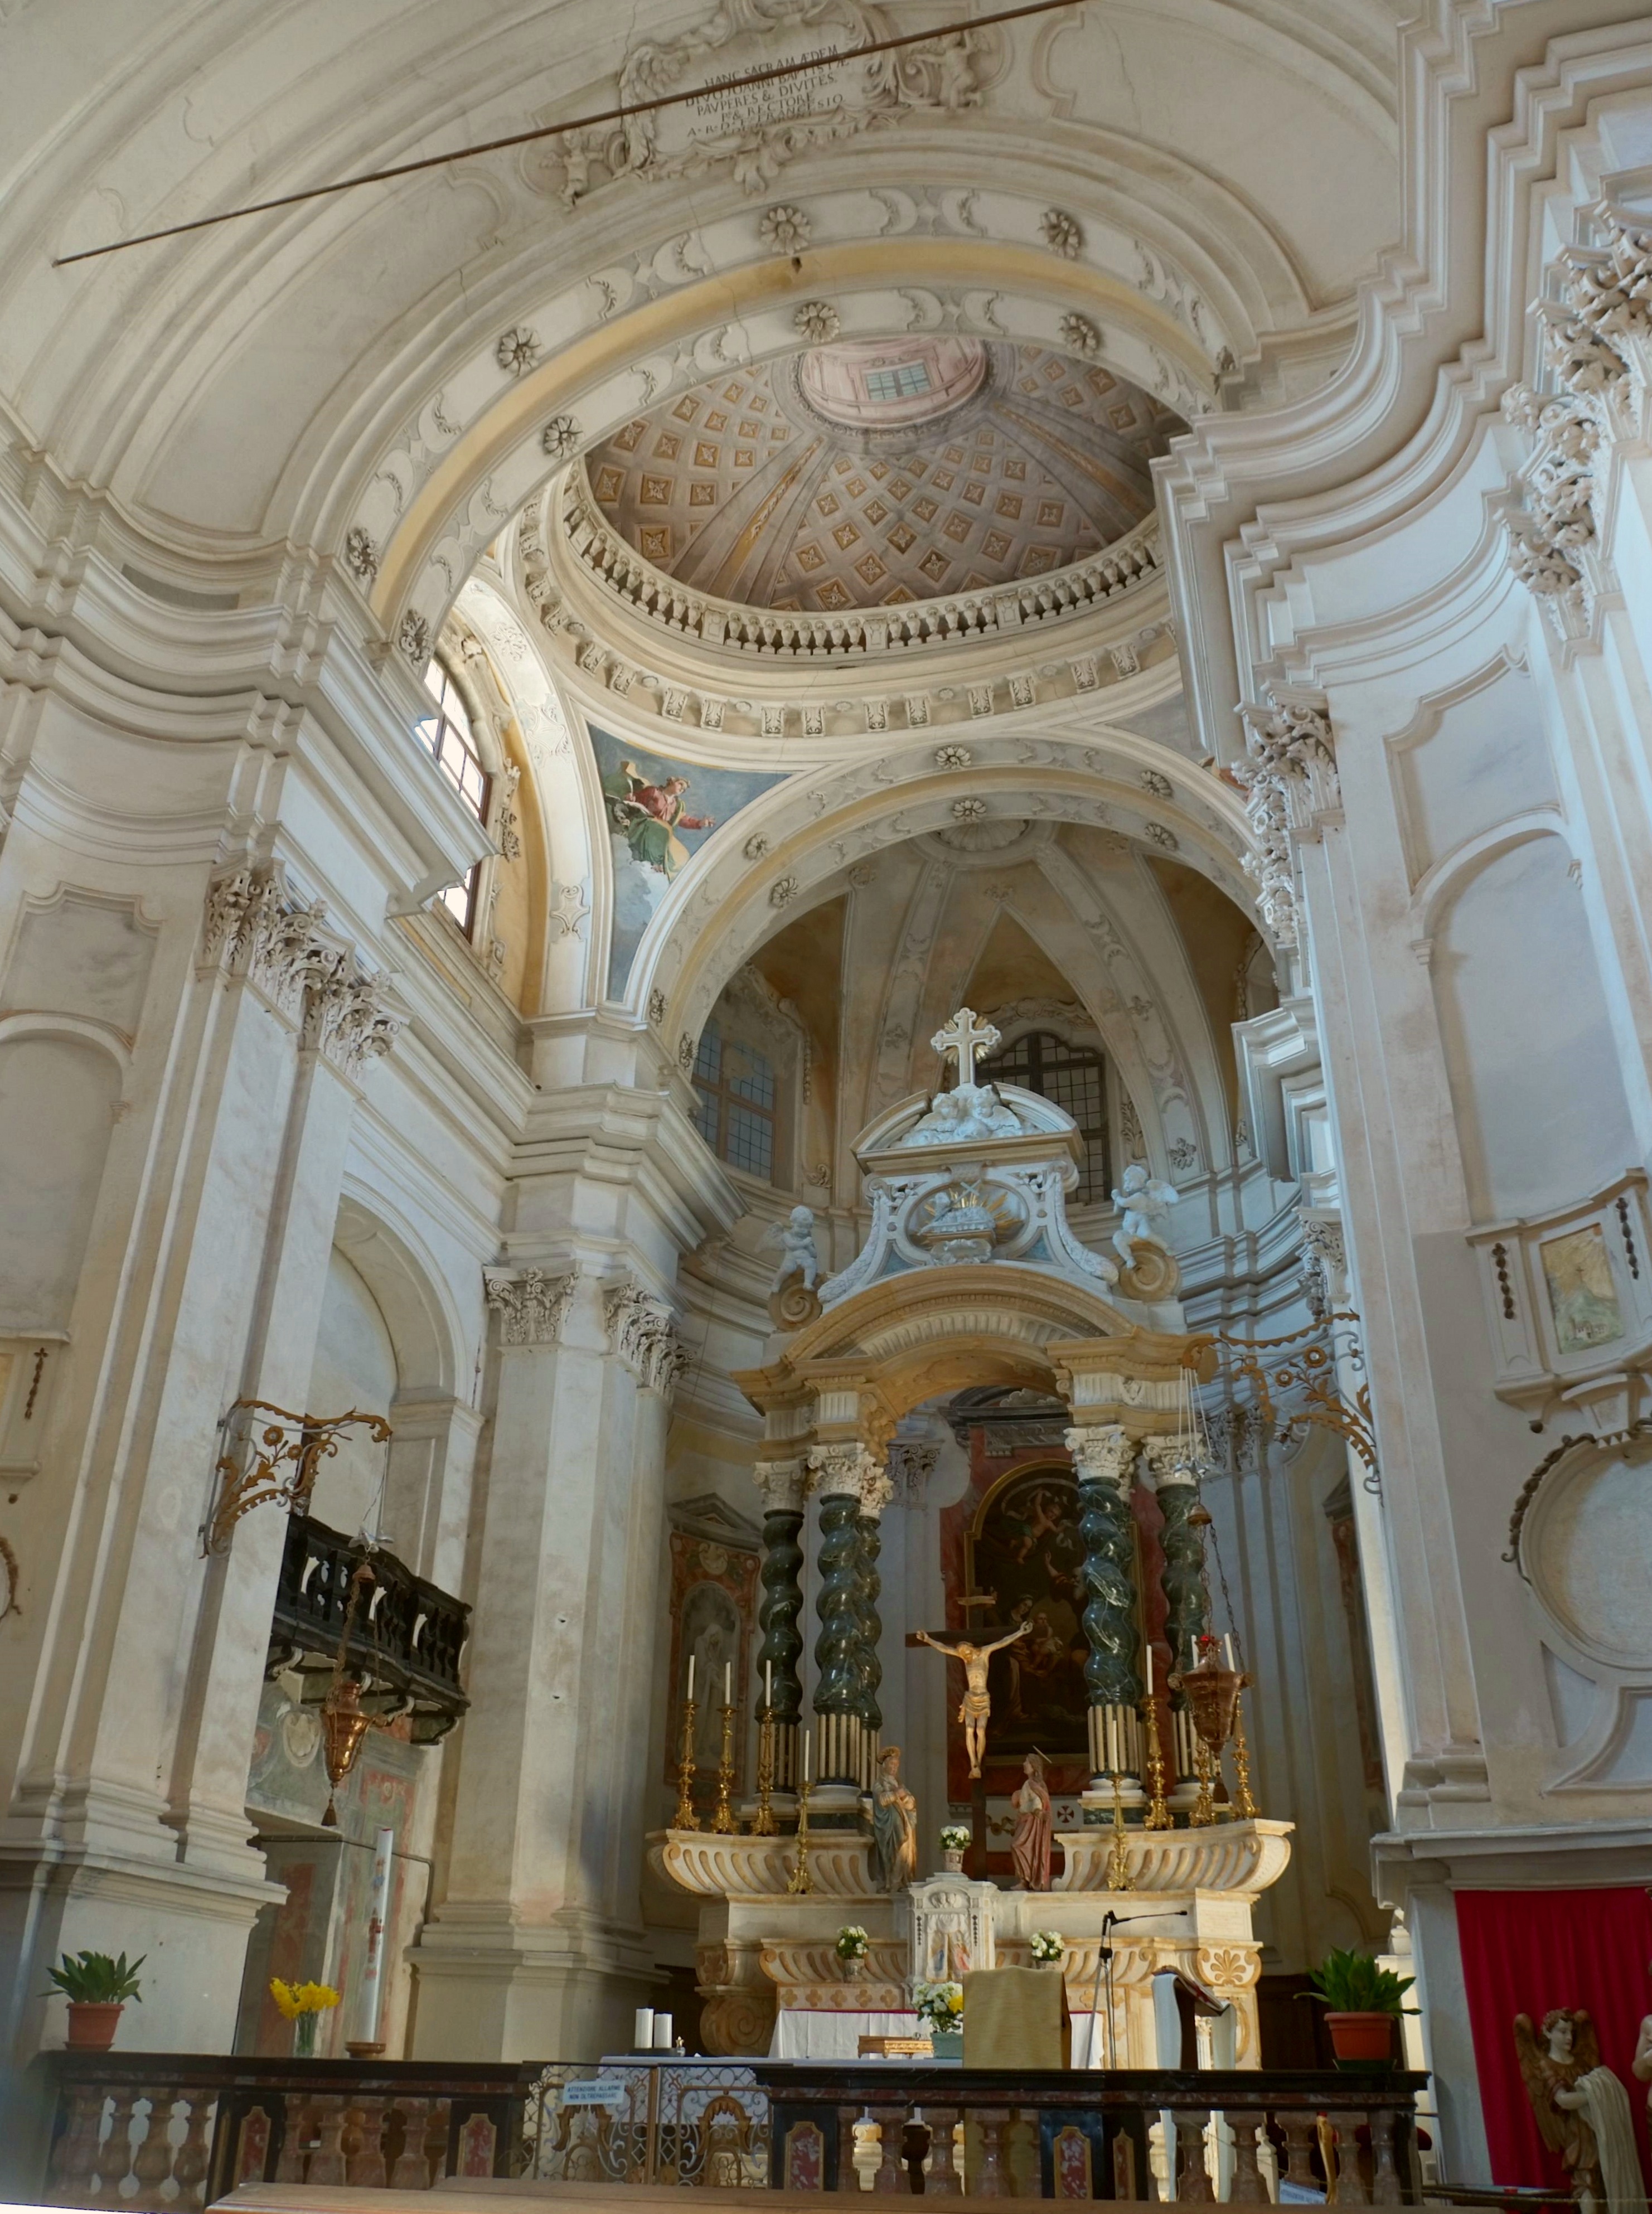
(954, 1837)
(301, 2003)
(941, 2005)
(853, 1942)
(1047, 1944)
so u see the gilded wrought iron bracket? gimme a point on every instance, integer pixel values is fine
(285, 1458)
(1311, 1373)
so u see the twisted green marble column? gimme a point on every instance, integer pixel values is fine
(1171, 1470)
(840, 1662)
(872, 1585)
(1104, 1460)
(782, 1484)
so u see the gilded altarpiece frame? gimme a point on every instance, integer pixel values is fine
(713, 1614)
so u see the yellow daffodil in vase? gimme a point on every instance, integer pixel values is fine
(301, 2003)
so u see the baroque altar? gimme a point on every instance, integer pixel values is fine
(970, 1274)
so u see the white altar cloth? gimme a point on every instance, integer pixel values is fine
(813, 2033)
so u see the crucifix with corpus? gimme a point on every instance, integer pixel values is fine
(976, 1709)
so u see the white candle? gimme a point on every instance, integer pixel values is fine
(642, 2030)
(662, 2032)
(805, 1756)
(728, 1683)
(691, 1677)
(768, 1685)
(1228, 1648)
(1149, 1668)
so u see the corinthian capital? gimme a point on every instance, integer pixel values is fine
(1171, 1461)
(642, 1330)
(784, 1484)
(530, 1305)
(255, 927)
(1102, 1455)
(839, 1469)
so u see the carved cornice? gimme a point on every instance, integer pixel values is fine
(256, 930)
(530, 1305)
(642, 1330)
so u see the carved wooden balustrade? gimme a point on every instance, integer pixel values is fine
(142, 2129)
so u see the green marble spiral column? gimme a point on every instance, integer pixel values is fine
(1103, 1461)
(839, 1664)
(783, 1484)
(876, 1492)
(1172, 1473)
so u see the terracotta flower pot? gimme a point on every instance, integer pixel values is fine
(93, 2023)
(1361, 2036)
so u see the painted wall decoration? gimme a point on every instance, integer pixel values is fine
(1582, 1293)
(658, 812)
(713, 1606)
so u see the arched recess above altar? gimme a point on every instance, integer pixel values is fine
(969, 1275)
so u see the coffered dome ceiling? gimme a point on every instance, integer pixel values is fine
(870, 473)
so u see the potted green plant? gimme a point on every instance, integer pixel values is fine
(1363, 2003)
(97, 1989)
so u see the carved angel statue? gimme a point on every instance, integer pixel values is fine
(1581, 2109)
(796, 1241)
(1146, 1199)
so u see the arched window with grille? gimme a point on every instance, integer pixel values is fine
(1074, 1077)
(734, 1084)
(448, 736)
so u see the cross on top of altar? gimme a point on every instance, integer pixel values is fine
(966, 1036)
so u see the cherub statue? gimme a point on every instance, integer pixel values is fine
(796, 1240)
(1146, 1199)
(1581, 2109)
(894, 1824)
(976, 1708)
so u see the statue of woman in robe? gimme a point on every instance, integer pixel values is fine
(894, 1825)
(1035, 1826)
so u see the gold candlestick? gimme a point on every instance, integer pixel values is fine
(1158, 1816)
(1119, 1860)
(801, 1880)
(1204, 1815)
(1244, 1805)
(763, 1824)
(685, 1818)
(725, 1822)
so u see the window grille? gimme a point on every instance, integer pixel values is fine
(1071, 1077)
(735, 1085)
(447, 736)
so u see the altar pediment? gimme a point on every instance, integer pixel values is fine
(995, 1121)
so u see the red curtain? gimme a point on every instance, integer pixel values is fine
(1526, 1951)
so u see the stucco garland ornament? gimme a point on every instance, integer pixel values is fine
(1081, 336)
(785, 229)
(415, 637)
(560, 437)
(818, 321)
(1062, 233)
(517, 350)
(360, 554)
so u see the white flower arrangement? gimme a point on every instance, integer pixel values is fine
(941, 2005)
(954, 1837)
(853, 1942)
(1047, 1944)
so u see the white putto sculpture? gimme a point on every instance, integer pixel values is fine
(1146, 1199)
(796, 1240)
(970, 1111)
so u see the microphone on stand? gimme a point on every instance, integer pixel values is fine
(1110, 1922)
